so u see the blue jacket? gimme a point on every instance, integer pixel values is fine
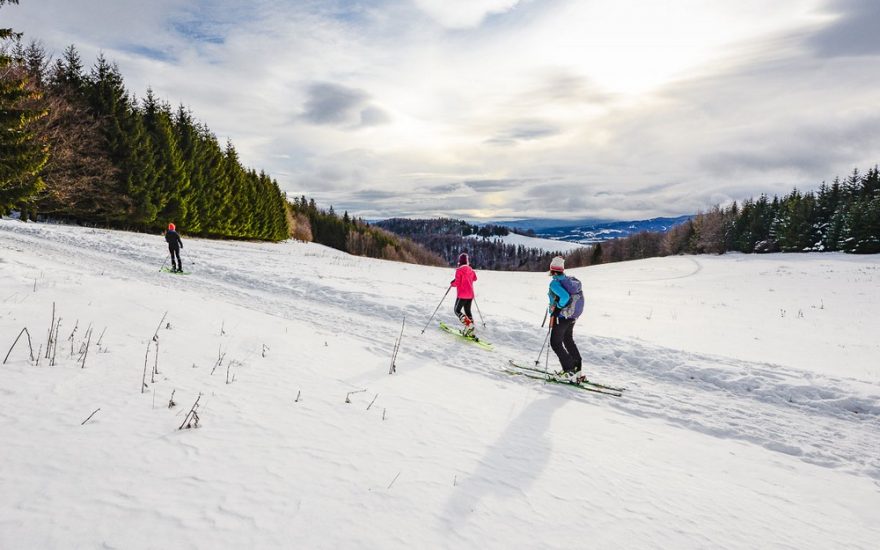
(559, 297)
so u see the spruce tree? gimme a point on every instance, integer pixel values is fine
(127, 142)
(171, 179)
(68, 75)
(194, 168)
(22, 153)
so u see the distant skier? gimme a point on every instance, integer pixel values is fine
(566, 305)
(464, 284)
(172, 237)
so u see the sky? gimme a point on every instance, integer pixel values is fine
(503, 109)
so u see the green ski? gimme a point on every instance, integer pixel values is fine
(551, 380)
(168, 270)
(549, 377)
(472, 339)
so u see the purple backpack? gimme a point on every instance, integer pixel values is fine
(575, 305)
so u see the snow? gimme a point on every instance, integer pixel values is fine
(751, 416)
(547, 245)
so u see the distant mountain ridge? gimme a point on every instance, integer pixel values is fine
(591, 231)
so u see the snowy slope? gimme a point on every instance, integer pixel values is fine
(751, 419)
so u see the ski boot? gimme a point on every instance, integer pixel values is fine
(570, 376)
(577, 376)
(468, 330)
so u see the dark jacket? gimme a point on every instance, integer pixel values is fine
(173, 239)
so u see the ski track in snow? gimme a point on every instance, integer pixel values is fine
(761, 403)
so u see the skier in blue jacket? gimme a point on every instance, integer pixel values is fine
(566, 305)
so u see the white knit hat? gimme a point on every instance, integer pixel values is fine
(557, 264)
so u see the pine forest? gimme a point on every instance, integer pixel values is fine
(83, 149)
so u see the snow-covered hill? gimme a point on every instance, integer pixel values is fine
(751, 417)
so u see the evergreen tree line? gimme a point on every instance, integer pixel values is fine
(485, 231)
(354, 235)
(22, 153)
(448, 238)
(843, 216)
(117, 161)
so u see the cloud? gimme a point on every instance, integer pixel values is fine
(524, 131)
(464, 13)
(443, 189)
(492, 185)
(199, 31)
(151, 53)
(804, 148)
(332, 104)
(374, 116)
(565, 86)
(854, 32)
(337, 105)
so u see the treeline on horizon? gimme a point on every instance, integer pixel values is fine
(841, 217)
(113, 160)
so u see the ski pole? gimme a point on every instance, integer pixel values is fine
(547, 360)
(545, 318)
(438, 307)
(165, 262)
(538, 360)
(393, 368)
(480, 312)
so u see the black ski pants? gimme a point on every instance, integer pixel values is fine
(562, 342)
(175, 252)
(463, 304)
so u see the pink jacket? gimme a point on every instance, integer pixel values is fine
(464, 281)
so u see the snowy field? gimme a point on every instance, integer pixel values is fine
(751, 417)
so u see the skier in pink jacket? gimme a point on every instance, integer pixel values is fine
(464, 284)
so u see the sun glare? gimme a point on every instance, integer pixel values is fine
(629, 47)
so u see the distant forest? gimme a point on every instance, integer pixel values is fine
(448, 238)
(843, 216)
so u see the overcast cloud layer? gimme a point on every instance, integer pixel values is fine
(616, 109)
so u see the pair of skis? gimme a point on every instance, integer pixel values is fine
(539, 374)
(536, 373)
(169, 270)
(473, 339)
